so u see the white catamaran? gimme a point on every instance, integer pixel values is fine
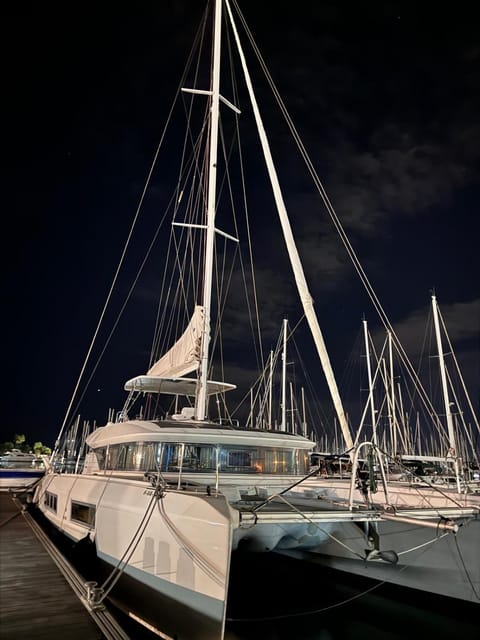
(166, 496)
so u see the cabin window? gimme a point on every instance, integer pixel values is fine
(50, 501)
(83, 513)
(114, 459)
(269, 460)
(191, 457)
(171, 457)
(140, 456)
(238, 459)
(197, 457)
(101, 457)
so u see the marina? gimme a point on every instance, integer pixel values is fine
(205, 503)
(40, 595)
(174, 496)
(304, 604)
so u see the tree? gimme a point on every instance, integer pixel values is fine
(19, 439)
(6, 446)
(37, 448)
(40, 449)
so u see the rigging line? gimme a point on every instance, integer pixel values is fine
(149, 250)
(267, 375)
(424, 545)
(467, 396)
(319, 412)
(137, 533)
(41, 494)
(262, 381)
(259, 342)
(317, 526)
(203, 562)
(315, 611)
(190, 167)
(161, 311)
(222, 301)
(367, 402)
(467, 573)
(336, 221)
(462, 419)
(175, 248)
(223, 284)
(166, 288)
(112, 331)
(373, 588)
(122, 257)
(418, 487)
(421, 356)
(246, 396)
(129, 550)
(189, 111)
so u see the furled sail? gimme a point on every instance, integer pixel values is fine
(166, 375)
(184, 356)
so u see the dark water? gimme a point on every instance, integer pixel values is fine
(277, 598)
(328, 605)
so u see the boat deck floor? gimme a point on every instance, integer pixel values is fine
(36, 601)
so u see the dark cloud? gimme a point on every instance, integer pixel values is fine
(461, 320)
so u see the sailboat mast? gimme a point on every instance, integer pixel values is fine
(443, 378)
(283, 425)
(370, 383)
(270, 382)
(393, 409)
(304, 418)
(201, 396)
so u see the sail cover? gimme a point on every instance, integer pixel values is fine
(184, 356)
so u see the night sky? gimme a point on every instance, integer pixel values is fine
(385, 96)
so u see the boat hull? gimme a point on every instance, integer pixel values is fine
(443, 563)
(164, 552)
(15, 479)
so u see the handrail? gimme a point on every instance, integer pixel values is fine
(373, 448)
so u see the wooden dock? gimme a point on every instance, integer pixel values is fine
(39, 592)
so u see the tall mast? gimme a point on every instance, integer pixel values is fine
(201, 398)
(446, 399)
(304, 417)
(393, 409)
(370, 383)
(283, 425)
(270, 382)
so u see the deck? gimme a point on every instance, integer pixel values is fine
(39, 591)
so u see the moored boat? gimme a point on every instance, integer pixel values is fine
(20, 470)
(167, 493)
(16, 456)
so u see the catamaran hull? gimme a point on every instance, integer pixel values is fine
(167, 555)
(444, 563)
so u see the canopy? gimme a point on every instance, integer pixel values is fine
(174, 386)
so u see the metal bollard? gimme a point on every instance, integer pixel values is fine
(94, 596)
